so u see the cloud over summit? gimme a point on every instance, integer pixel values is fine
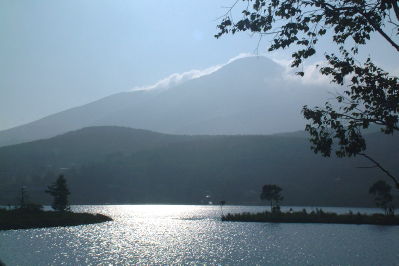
(312, 75)
(178, 78)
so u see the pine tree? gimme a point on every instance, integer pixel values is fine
(60, 192)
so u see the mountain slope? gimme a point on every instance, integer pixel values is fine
(122, 165)
(247, 96)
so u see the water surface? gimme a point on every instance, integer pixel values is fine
(184, 234)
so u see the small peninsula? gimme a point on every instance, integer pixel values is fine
(318, 216)
(273, 193)
(29, 215)
(27, 219)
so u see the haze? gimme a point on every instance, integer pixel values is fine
(58, 55)
(130, 135)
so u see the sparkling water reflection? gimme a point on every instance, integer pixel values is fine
(170, 234)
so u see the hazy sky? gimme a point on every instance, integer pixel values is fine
(59, 54)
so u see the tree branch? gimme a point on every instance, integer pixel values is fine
(395, 8)
(381, 168)
(379, 30)
(367, 17)
(362, 119)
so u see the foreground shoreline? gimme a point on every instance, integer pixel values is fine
(313, 217)
(20, 219)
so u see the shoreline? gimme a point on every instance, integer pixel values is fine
(22, 219)
(313, 217)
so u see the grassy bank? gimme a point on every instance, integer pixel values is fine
(318, 216)
(25, 219)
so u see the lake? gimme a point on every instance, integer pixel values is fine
(187, 234)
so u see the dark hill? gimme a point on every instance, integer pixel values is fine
(122, 165)
(85, 145)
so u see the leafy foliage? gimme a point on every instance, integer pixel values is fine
(303, 22)
(373, 98)
(372, 94)
(60, 192)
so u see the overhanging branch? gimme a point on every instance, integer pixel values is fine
(379, 30)
(395, 8)
(381, 168)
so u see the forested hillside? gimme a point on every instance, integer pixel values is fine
(123, 165)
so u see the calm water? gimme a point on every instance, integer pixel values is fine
(168, 234)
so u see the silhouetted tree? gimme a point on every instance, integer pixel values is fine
(382, 196)
(60, 192)
(23, 198)
(222, 203)
(272, 193)
(372, 94)
(25, 204)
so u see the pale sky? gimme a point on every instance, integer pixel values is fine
(55, 55)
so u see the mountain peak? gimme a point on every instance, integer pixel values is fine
(246, 96)
(252, 66)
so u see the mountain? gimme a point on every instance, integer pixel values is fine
(247, 96)
(124, 165)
